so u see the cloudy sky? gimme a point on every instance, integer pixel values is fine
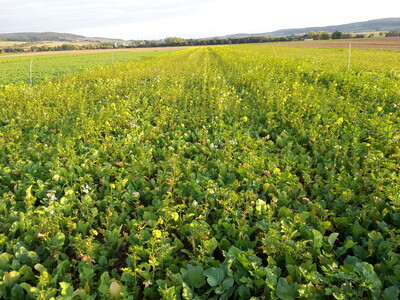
(154, 19)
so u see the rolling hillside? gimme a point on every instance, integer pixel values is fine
(386, 24)
(49, 36)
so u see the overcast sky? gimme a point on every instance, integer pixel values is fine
(154, 19)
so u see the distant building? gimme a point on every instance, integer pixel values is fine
(117, 45)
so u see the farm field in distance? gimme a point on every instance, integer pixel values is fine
(27, 45)
(235, 172)
(388, 43)
(50, 65)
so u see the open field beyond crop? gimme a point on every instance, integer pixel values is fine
(389, 43)
(207, 173)
(28, 45)
(45, 65)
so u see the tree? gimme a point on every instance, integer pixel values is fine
(337, 35)
(324, 35)
(393, 33)
(361, 36)
(347, 36)
(311, 35)
(175, 41)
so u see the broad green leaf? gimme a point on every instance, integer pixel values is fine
(332, 238)
(285, 290)
(317, 239)
(32, 291)
(104, 289)
(5, 261)
(21, 253)
(194, 276)
(369, 277)
(225, 244)
(384, 247)
(87, 288)
(29, 198)
(214, 276)
(66, 289)
(349, 244)
(271, 277)
(391, 293)
(105, 278)
(27, 273)
(210, 245)
(261, 206)
(17, 292)
(227, 283)
(58, 240)
(11, 278)
(244, 292)
(187, 292)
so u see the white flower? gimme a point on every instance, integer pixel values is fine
(232, 142)
(51, 195)
(52, 212)
(338, 147)
(86, 189)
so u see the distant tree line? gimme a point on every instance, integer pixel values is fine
(66, 47)
(177, 41)
(325, 35)
(63, 47)
(321, 35)
(393, 33)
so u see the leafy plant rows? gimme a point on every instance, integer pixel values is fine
(208, 173)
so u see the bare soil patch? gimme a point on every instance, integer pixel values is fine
(390, 43)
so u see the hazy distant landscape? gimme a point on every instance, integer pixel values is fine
(52, 41)
(379, 25)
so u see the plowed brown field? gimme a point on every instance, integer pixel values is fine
(391, 43)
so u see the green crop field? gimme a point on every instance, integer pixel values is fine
(238, 172)
(14, 69)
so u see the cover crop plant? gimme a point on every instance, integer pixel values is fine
(208, 173)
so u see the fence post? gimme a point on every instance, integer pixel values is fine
(348, 64)
(30, 72)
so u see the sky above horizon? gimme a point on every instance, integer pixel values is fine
(156, 19)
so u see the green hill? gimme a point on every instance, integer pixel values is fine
(386, 24)
(48, 36)
(40, 36)
(372, 25)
